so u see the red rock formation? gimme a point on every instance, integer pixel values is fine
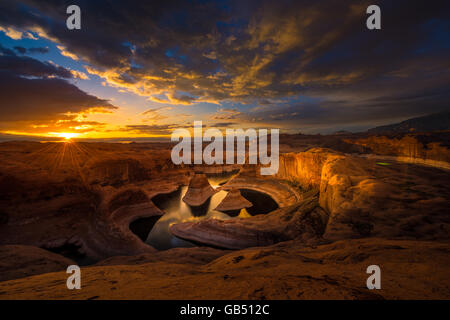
(233, 201)
(411, 147)
(360, 198)
(117, 172)
(17, 261)
(305, 168)
(304, 220)
(287, 270)
(199, 190)
(52, 202)
(280, 191)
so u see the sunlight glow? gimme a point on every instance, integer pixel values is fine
(68, 135)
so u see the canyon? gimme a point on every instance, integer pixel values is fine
(338, 209)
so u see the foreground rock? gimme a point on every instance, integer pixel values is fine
(233, 201)
(199, 190)
(185, 256)
(287, 270)
(18, 261)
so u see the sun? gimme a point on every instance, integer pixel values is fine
(68, 135)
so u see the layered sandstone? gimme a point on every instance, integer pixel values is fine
(305, 249)
(280, 191)
(304, 220)
(79, 199)
(233, 201)
(413, 148)
(364, 198)
(199, 190)
(17, 261)
(358, 198)
(288, 270)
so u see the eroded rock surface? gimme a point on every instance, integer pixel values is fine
(360, 198)
(18, 261)
(233, 201)
(304, 220)
(279, 190)
(199, 190)
(288, 270)
(427, 148)
(84, 197)
(81, 196)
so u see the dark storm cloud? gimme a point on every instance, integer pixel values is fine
(251, 51)
(26, 66)
(20, 50)
(6, 51)
(33, 50)
(45, 99)
(32, 90)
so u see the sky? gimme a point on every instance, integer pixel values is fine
(140, 69)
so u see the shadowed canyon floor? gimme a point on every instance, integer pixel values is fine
(338, 210)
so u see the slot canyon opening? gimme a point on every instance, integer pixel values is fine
(157, 233)
(73, 252)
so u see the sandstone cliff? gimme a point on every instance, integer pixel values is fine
(359, 198)
(425, 148)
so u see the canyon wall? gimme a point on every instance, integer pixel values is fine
(341, 197)
(305, 168)
(364, 198)
(420, 148)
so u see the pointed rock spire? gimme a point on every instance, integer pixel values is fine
(199, 190)
(233, 201)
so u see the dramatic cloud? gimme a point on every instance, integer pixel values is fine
(36, 50)
(26, 66)
(154, 115)
(153, 130)
(34, 91)
(15, 34)
(253, 52)
(226, 114)
(45, 99)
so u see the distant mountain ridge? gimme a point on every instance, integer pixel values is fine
(432, 122)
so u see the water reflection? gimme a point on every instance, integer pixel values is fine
(176, 211)
(218, 179)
